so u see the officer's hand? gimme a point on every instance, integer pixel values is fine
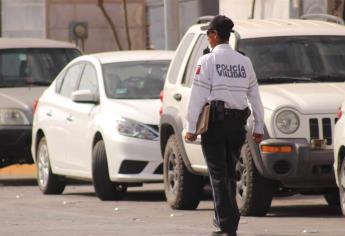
(258, 137)
(190, 137)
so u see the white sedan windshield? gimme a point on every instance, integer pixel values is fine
(135, 80)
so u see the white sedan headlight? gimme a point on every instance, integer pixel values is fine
(287, 122)
(136, 129)
(13, 117)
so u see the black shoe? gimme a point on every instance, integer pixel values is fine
(222, 233)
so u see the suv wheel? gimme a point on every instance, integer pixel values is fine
(104, 188)
(342, 186)
(182, 188)
(48, 182)
(254, 192)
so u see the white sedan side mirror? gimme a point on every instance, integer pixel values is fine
(85, 96)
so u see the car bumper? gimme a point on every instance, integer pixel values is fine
(303, 167)
(15, 142)
(134, 160)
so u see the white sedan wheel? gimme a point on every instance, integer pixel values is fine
(43, 165)
(48, 182)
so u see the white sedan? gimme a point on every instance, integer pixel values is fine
(99, 121)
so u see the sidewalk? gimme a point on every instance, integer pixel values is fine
(18, 172)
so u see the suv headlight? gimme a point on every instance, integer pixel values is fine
(13, 117)
(287, 122)
(136, 129)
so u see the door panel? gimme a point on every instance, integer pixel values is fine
(80, 123)
(193, 150)
(51, 119)
(59, 136)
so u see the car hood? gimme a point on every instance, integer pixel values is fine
(143, 110)
(307, 98)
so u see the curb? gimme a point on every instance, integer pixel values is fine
(21, 170)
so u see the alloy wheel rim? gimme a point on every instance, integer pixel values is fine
(43, 165)
(241, 178)
(172, 173)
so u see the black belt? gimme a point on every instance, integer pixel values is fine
(236, 113)
(219, 112)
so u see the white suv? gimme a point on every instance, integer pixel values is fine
(300, 69)
(339, 155)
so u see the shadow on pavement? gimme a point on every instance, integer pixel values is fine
(140, 195)
(314, 211)
(18, 182)
(157, 195)
(145, 196)
(33, 182)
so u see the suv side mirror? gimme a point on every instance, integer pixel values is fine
(85, 96)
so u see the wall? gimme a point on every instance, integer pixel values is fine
(23, 18)
(314, 6)
(100, 38)
(190, 10)
(241, 9)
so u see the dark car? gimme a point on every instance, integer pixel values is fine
(27, 67)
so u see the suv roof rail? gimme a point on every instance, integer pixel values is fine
(323, 17)
(204, 19)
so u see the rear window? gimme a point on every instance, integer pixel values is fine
(30, 67)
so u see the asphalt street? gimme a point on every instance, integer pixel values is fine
(25, 211)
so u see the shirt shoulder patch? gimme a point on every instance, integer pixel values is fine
(198, 69)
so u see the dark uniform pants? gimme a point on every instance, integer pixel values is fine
(221, 146)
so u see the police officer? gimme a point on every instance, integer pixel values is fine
(226, 79)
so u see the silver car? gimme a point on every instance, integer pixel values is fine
(27, 67)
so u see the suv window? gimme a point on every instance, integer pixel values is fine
(297, 58)
(70, 81)
(180, 53)
(197, 52)
(35, 66)
(88, 79)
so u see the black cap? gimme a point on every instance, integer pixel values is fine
(222, 24)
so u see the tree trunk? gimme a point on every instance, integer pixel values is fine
(125, 12)
(112, 26)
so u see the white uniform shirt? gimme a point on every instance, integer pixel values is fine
(225, 75)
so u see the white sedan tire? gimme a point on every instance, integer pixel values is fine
(105, 189)
(48, 182)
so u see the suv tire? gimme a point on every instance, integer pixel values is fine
(254, 193)
(182, 188)
(104, 188)
(48, 182)
(342, 186)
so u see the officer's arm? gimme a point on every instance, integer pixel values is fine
(255, 101)
(199, 93)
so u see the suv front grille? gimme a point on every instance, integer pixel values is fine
(323, 132)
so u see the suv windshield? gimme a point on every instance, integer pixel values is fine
(135, 80)
(297, 59)
(33, 67)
